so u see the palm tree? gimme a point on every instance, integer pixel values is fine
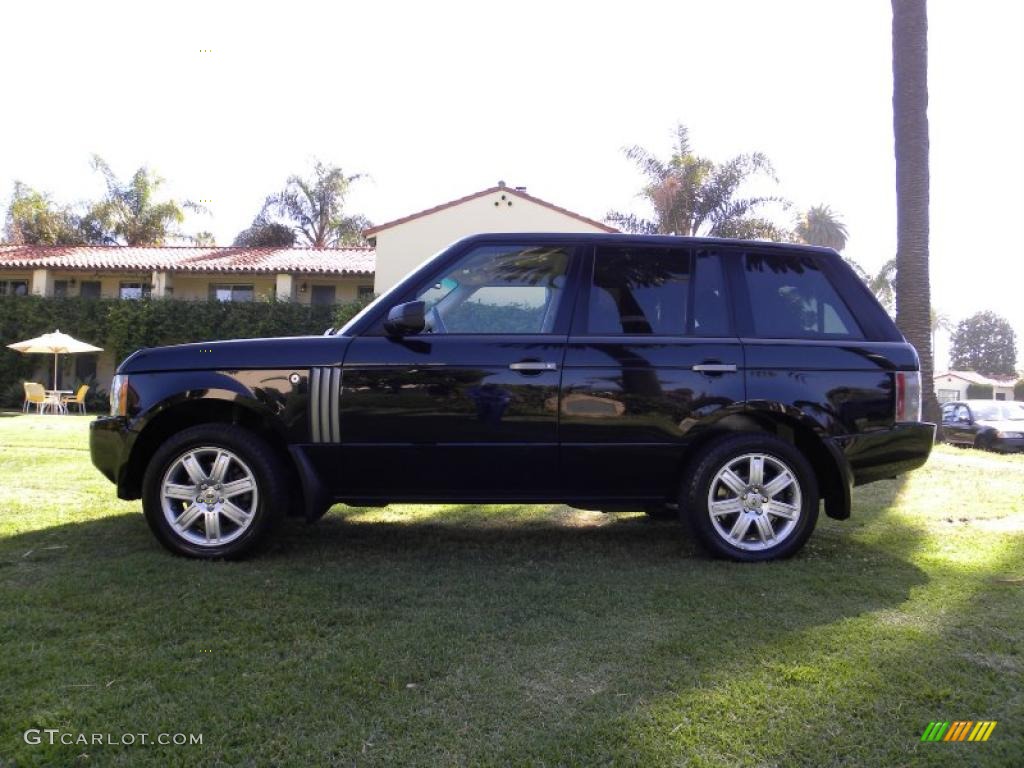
(129, 213)
(692, 195)
(910, 132)
(819, 225)
(313, 207)
(940, 322)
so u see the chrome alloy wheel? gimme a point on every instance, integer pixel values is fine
(209, 496)
(754, 502)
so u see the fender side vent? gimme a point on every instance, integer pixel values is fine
(324, 390)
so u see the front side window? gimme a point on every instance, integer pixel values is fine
(791, 297)
(498, 289)
(639, 291)
(224, 292)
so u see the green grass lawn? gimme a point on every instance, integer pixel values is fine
(453, 635)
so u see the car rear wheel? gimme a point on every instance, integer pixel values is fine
(213, 491)
(751, 497)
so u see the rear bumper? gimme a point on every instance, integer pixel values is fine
(109, 447)
(880, 455)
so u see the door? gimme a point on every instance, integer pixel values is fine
(468, 409)
(322, 294)
(651, 358)
(960, 428)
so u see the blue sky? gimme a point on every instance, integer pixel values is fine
(438, 100)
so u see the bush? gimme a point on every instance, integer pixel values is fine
(980, 392)
(121, 327)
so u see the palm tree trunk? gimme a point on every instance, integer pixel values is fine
(910, 129)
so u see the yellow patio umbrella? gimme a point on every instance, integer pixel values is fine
(55, 344)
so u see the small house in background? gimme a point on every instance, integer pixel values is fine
(968, 385)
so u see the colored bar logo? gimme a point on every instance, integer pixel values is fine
(959, 730)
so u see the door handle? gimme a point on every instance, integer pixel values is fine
(714, 368)
(534, 366)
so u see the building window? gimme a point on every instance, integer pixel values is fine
(13, 287)
(225, 292)
(322, 294)
(948, 395)
(89, 289)
(134, 290)
(60, 289)
(364, 291)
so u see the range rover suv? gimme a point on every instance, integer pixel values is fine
(735, 385)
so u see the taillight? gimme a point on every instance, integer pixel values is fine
(908, 396)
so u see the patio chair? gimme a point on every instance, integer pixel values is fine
(35, 394)
(78, 399)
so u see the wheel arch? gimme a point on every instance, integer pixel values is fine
(829, 465)
(188, 410)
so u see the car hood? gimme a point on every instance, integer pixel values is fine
(1003, 425)
(240, 354)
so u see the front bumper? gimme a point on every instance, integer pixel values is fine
(884, 454)
(109, 447)
(1007, 444)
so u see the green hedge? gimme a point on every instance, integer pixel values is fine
(980, 392)
(122, 326)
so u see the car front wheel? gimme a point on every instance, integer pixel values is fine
(751, 497)
(212, 491)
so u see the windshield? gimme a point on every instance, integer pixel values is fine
(998, 411)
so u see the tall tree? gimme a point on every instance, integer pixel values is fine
(130, 214)
(35, 219)
(910, 134)
(693, 195)
(940, 322)
(985, 343)
(820, 225)
(313, 209)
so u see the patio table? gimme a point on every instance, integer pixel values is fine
(53, 400)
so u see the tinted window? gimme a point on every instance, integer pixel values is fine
(90, 289)
(790, 297)
(639, 291)
(710, 303)
(498, 289)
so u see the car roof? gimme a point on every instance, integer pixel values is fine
(619, 238)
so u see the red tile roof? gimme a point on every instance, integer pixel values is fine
(506, 190)
(323, 261)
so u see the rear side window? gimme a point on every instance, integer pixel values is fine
(639, 291)
(791, 297)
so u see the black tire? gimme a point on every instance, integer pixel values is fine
(662, 511)
(983, 443)
(718, 455)
(251, 454)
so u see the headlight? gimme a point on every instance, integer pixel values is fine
(119, 396)
(1009, 434)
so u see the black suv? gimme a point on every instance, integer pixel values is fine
(732, 384)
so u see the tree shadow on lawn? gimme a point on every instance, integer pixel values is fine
(498, 641)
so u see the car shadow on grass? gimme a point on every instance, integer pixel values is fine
(448, 640)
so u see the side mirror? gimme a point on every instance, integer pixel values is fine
(406, 319)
